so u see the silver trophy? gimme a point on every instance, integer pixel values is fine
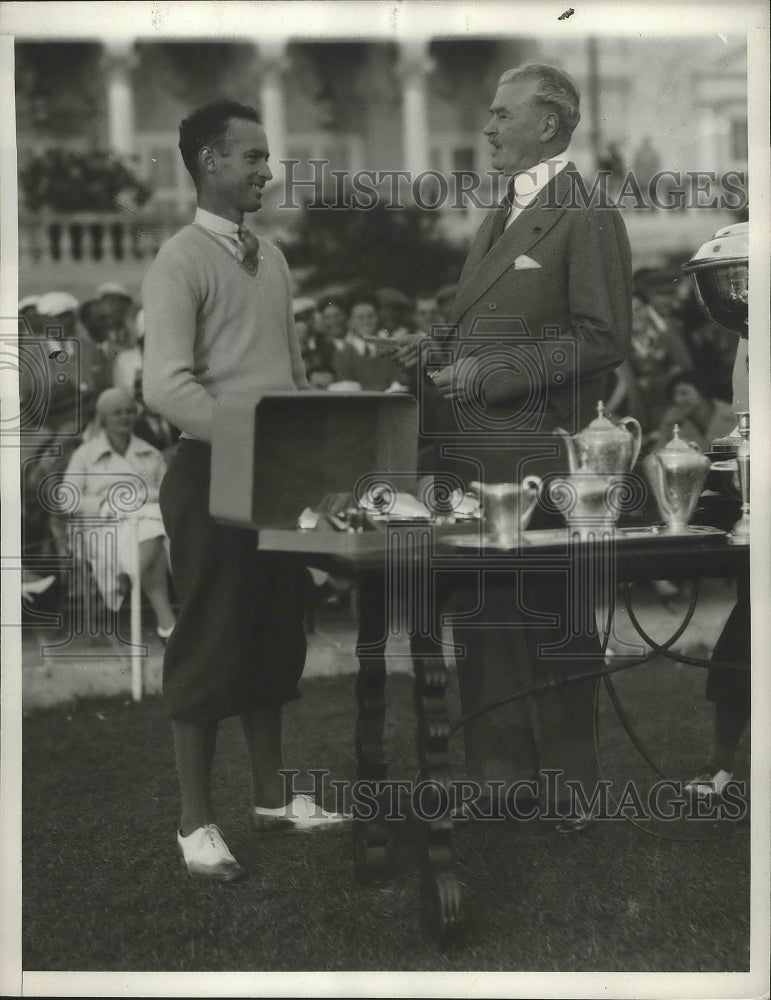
(719, 271)
(676, 475)
(590, 497)
(740, 535)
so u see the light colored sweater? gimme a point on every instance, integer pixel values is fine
(214, 331)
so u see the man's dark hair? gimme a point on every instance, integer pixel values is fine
(207, 126)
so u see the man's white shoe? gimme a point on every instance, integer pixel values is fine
(301, 815)
(709, 785)
(206, 855)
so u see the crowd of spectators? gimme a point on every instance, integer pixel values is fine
(80, 368)
(678, 371)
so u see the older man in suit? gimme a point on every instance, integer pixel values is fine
(542, 315)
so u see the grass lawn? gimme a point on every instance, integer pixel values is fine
(103, 888)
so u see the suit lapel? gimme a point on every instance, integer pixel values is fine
(485, 264)
(478, 250)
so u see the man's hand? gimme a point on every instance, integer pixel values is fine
(407, 351)
(458, 380)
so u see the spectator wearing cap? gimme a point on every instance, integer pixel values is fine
(118, 299)
(70, 388)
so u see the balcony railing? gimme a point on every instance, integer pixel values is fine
(90, 237)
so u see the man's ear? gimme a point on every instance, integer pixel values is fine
(550, 126)
(206, 159)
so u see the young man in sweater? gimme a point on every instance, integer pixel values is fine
(218, 315)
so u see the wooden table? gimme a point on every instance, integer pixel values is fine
(424, 560)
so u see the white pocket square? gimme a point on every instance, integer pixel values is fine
(523, 261)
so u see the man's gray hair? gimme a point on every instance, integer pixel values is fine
(555, 89)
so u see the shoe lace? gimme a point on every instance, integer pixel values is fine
(214, 836)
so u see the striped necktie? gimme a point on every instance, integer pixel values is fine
(250, 249)
(502, 213)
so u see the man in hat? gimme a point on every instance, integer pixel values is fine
(70, 398)
(218, 323)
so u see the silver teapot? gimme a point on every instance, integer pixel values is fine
(604, 447)
(676, 475)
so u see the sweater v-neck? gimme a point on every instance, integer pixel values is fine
(213, 238)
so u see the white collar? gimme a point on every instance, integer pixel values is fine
(102, 446)
(215, 223)
(528, 183)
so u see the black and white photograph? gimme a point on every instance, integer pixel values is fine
(384, 608)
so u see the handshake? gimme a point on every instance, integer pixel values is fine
(449, 377)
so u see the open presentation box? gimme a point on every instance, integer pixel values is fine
(282, 452)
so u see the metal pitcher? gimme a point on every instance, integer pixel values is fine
(676, 475)
(506, 509)
(604, 447)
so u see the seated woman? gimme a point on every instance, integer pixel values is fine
(116, 473)
(700, 416)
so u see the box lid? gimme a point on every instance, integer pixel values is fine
(280, 452)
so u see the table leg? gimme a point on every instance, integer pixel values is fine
(442, 910)
(371, 841)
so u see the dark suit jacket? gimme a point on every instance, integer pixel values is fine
(545, 335)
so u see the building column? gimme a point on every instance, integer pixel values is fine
(273, 63)
(414, 66)
(120, 59)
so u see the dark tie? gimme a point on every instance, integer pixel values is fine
(250, 249)
(502, 213)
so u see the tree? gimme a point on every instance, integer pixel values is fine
(377, 247)
(67, 181)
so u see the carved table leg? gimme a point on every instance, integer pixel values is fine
(371, 841)
(442, 903)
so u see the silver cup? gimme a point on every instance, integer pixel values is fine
(507, 508)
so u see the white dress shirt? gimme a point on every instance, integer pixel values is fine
(225, 231)
(529, 183)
